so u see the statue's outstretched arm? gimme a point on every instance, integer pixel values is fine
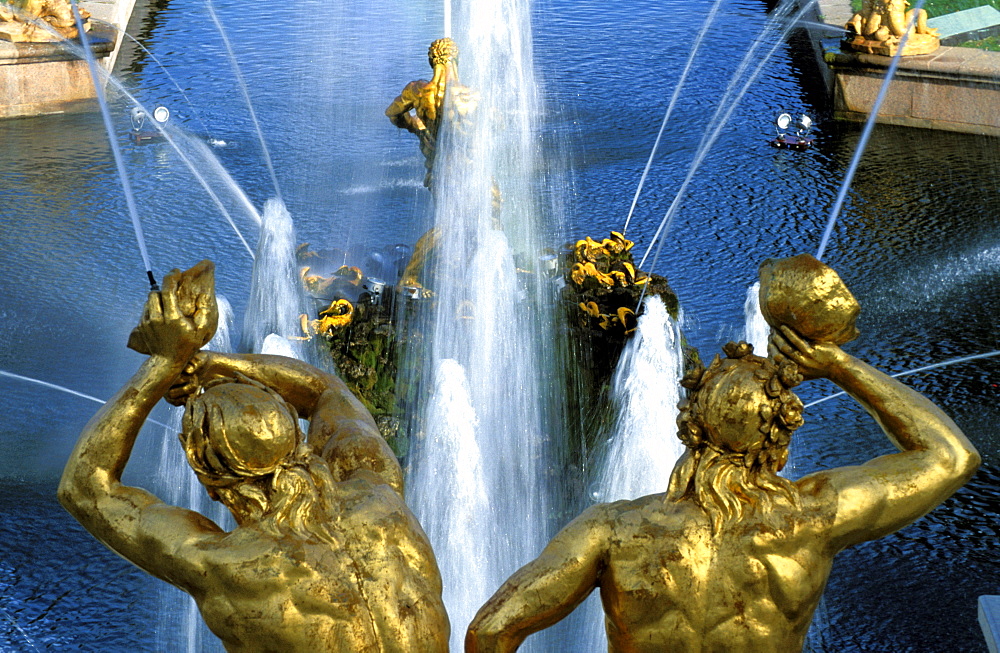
(341, 429)
(131, 521)
(545, 590)
(891, 491)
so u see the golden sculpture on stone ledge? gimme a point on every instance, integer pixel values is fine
(734, 557)
(881, 24)
(421, 107)
(39, 21)
(326, 556)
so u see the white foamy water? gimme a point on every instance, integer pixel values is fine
(276, 298)
(451, 451)
(487, 321)
(755, 330)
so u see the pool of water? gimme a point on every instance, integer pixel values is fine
(918, 243)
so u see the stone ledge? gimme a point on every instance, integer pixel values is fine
(989, 620)
(47, 78)
(101, 44)
(946, 62)
(951, 89)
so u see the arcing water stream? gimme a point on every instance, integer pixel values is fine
(587, 80)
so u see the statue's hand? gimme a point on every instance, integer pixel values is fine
(815, 359)
(196, 373)
(180, 319)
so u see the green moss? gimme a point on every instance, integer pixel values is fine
(991, 43)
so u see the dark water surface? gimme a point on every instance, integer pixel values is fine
(918, 243)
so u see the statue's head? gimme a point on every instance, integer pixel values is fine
(235, 431)
(442, 52)
(742, 407)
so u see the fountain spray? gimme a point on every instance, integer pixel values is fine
(718, 121)
(670, 107)
(866, 133)
(159, 63)
(116, 152)
(924, 368)
(171, 139)
(62, 388)
(246, 95)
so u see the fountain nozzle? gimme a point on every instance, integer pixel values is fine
(153, 286)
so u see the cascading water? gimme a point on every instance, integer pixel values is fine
(276, 299)
(646, 388)
(484, 505)
(756, 330)
(456, 454)
(644, 446)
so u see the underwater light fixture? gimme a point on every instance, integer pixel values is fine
(161, 114)
(374, 287)
(797, 141)
(138, 117)
(783, 121)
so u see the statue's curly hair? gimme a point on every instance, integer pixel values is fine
(280, 485)
(730, 470)
(442, 51)
(779, 416)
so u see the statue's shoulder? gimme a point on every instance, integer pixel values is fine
(416, 86)
(654, 512)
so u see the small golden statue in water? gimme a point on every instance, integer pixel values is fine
(734, 557)
(881, 24)
(326, 556)
(39, 21)
(423, 105)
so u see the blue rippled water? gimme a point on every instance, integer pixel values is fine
(917, 243)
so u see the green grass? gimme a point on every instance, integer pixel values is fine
(941, 7)
(991, 43)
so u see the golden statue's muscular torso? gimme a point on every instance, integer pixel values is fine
(277, 595)
(751, 590)
(733, 557)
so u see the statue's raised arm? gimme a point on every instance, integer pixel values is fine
(325, 556)
(734, 556)
(812, 313)
(891, 491)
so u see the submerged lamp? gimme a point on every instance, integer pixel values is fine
(783, 121)
(161, 114)
(805, 124)
(138, 117)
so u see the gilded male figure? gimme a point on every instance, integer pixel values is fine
(733, 557)
(325, 555)
(423, 105)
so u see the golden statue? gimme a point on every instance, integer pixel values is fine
(326, 556)
(881, 24)
(39, 21)
(422, 106)
(734, 557)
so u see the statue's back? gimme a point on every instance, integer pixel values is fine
(672, 584)
(359, 593)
